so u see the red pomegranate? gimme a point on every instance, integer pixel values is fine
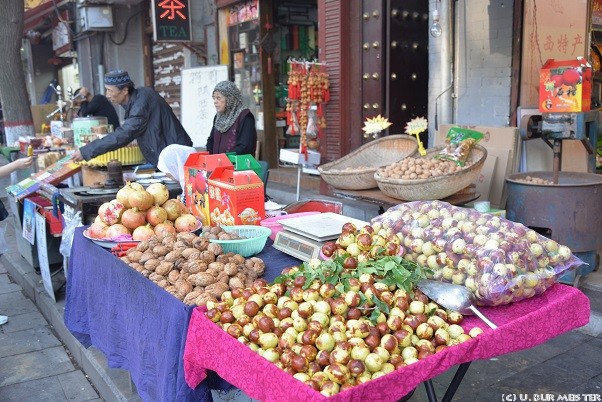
(110, 212)
(156, 215)
(98, 230)
(165, 227)
(141, 199)
(117, 230)
(133, 218)
(186, 223)
(143, 233)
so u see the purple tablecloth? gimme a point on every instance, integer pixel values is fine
(137, 325)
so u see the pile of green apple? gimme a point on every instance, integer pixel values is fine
(321, 333)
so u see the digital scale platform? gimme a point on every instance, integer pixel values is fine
(303, 237)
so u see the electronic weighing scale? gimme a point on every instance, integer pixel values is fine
(303, 237)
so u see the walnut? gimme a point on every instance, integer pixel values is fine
(173, 255)
(138, 267)
(237, 259)
(142, 246)
(133, 254)
(215, 248)
(161, 250)
(203, 299)
(152, 264)
(155, 277)
(188, 237)
(164, 268)
(183, 288)
(173, 276)
(216, 289)
(201, 279)
(190, 297)
(230, 269)
(191, 253)
(147, 255)
(200, 243)
(163, 283)
(223, 258)
(125, 259)
(207, 256)
(235, 282)
(145, 272)
(196, 266)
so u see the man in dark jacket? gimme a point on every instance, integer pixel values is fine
(148, 119)
(97, 105)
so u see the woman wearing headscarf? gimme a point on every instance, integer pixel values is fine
(234, 124)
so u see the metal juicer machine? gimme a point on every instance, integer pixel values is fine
(567, 211)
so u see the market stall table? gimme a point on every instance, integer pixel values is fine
(375, 196)
(136, 324)
(521, 325)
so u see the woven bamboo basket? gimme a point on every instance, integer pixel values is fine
(355, 171)
(435, 188)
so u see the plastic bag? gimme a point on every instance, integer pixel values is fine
(498, 260)
(68, 231)
(460, 142)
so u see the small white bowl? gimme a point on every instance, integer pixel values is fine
(159, 175)
(143, 176)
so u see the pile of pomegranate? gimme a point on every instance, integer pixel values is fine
(142, 213)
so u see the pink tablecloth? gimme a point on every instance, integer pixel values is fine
(520, 326)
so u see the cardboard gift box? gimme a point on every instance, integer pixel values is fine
(565, 86)
(235, 197)
(197, 169)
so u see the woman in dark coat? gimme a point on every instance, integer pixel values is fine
(234, 125)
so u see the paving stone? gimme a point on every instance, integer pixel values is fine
(46, 389)
(7, 287)
(15, 303)
(34, 365)
(26, 341)
(589, 367)
(76, 387)
(21, 322)
(542, 378)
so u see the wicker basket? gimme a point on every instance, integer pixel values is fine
(355, 171)
(254, 242)
(435, 188)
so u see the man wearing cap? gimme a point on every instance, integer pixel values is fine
(97, 105)
(148, 119)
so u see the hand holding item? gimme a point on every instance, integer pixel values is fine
(23, 163)
(84, 92)
(77, 156)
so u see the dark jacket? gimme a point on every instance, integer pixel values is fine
(244, 133)
(99, 106)
(148, 119)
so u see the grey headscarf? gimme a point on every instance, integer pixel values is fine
(234, 105)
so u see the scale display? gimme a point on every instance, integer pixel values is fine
(296, 245)
(320, 227)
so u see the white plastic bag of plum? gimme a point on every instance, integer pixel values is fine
(498, 260)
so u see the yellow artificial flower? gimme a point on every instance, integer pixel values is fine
(375, 125)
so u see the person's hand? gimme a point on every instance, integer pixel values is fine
(84, 92)
(23, 163)
(77, 156)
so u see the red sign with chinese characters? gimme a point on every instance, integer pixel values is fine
(171, 20)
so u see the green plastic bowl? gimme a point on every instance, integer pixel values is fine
(253, 243)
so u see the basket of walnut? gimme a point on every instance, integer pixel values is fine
(429, 178)
(355, 171)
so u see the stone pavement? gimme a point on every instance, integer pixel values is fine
(35, 366)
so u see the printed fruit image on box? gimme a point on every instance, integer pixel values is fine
(565, 86)
(235, 198)
(197, 169)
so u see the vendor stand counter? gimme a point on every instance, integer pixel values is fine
(377, 197)
(138, 326)
(521, 325)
